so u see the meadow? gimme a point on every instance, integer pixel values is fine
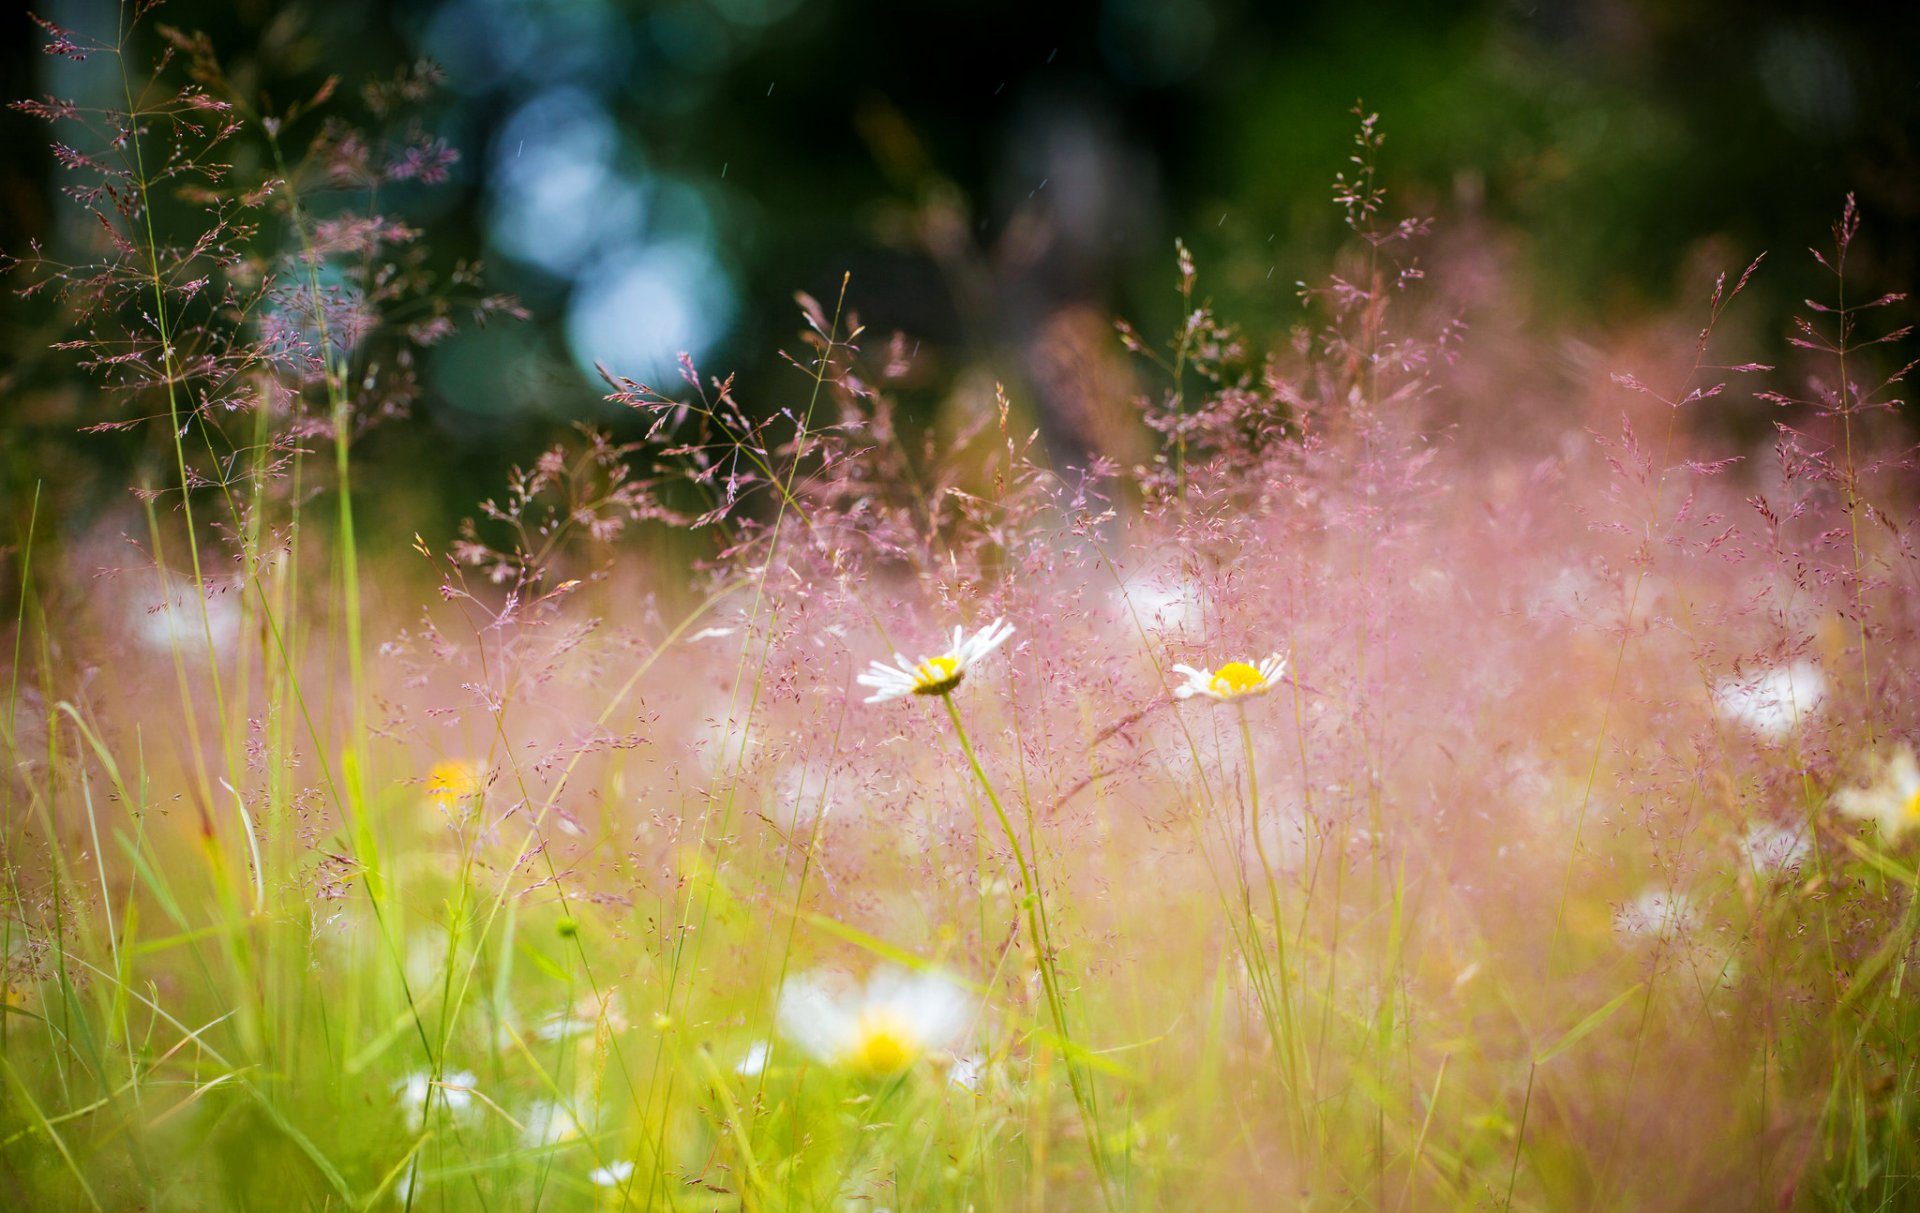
(1375, 797)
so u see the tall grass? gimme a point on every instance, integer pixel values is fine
(1563, 866)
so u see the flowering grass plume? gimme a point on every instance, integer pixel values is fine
(1546, 891)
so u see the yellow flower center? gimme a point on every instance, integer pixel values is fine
(936, 676)
(884, 1044)
(1912, 808)
(452, 781)
(1236, 678)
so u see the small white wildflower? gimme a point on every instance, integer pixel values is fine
(548, 1123)
(612, 1175)
(1892, 801)
(802, 793)
(1771, 704)
(933, 675)
(1234, 680)
(967, 1072)
(1159, 605)
(755, 1061)
(177, 620)
(558, 1027)
(1657, 913)
(417, 1088)
(564, 1025)
(1773, 848)
(877, 1031)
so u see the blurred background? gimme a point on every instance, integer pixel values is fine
(1001, 179)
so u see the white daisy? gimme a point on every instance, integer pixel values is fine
(1773, 848)
(417, 1088)
(612, 1175)
(1892, 801)
(934, 675)
(1234, 680)
(548, 1123)
(967, 1073)
(176, 621)
(1770, 704)
(755, 1060)
(1657, 913)
(877, 1031)
(1166, 605)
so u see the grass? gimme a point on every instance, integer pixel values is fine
(555, 878)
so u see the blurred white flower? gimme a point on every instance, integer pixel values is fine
(1891, 801)
(563, 1025)
(967, 1072)
(547, 1123)
(1159, 604)
(612, 1175)
(801, 794)
(1658, 914)
(876, 1031)
(1771, 703)
(1234, 680)
(755, 1061)
(933, 675)
(417, 1088)
(1773, 848)
(175, 620)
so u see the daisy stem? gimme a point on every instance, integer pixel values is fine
(1006, 825)
(1042, 947)
(1273, 902)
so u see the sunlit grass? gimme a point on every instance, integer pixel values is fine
(1332, 816)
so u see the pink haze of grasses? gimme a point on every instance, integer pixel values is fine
(1521, 886)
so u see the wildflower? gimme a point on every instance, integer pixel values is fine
(1770, 705)
(452, 781)
(1234, 680)
(876, 1032)
(612, 1175)
(183, 619)
(417, 1089)
(967, 1073)
(1772, 848)
(1166, 605)
(1892, 801)
(1657, 913)
(934, 675)
(755, 1060)
(548, 1123)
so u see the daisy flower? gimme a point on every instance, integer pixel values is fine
(452, 781)
(934, 675)
(1774, 848)
(1657, 914)
(548, 1123)
(612, 1175)
(878, 1031)
(1770, 704)
(417, 1089)
(1892, 801)
(755, 1062)
(1234, 680)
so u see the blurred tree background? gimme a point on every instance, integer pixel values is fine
(1000, 179)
